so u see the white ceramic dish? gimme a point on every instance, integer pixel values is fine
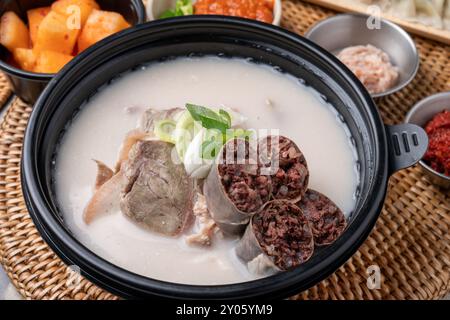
(156, 7)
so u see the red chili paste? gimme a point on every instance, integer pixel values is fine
(438, 154)
(261, 10)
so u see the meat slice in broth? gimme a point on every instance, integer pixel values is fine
(148, 186)
(130, 140)
(145, 131)
(159, 193)
(106, 198)
(104, 173)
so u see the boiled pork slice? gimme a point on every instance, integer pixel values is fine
(106, 199)
(130, 140)
(153, 190)
(159, 193)
(104, 173)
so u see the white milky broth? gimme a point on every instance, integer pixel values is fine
(268, 98)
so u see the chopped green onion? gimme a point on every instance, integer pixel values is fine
(216, 126)
(210, 149)
(214, 134)
(164, 130)
(184, 133)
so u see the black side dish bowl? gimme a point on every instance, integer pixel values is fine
(29, 85)
(382, 150)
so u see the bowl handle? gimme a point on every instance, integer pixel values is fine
(407, 145)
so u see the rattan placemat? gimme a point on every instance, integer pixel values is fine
(410, 243)
(5, 90)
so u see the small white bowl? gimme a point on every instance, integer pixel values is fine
(156, 7)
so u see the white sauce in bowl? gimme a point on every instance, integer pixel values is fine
(268, 98)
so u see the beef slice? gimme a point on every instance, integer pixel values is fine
(159, 193)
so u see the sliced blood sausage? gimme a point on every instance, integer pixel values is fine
(327, 220)
(281, 233)
(233, 189)
(287, 167)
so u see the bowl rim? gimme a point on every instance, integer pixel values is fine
(434, 172)
(390, 24)
(277, 11)
(284, 284)
(418, 106)
(39, 76)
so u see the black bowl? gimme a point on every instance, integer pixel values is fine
(29, 85)
(381, 149)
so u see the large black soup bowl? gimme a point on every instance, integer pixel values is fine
(382, 150)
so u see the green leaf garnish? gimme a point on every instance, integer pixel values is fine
(225, 115)
(208, 118)
(170, 13)
(182, 8)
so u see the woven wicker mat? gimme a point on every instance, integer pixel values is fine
(5, 90)
(410, 243)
